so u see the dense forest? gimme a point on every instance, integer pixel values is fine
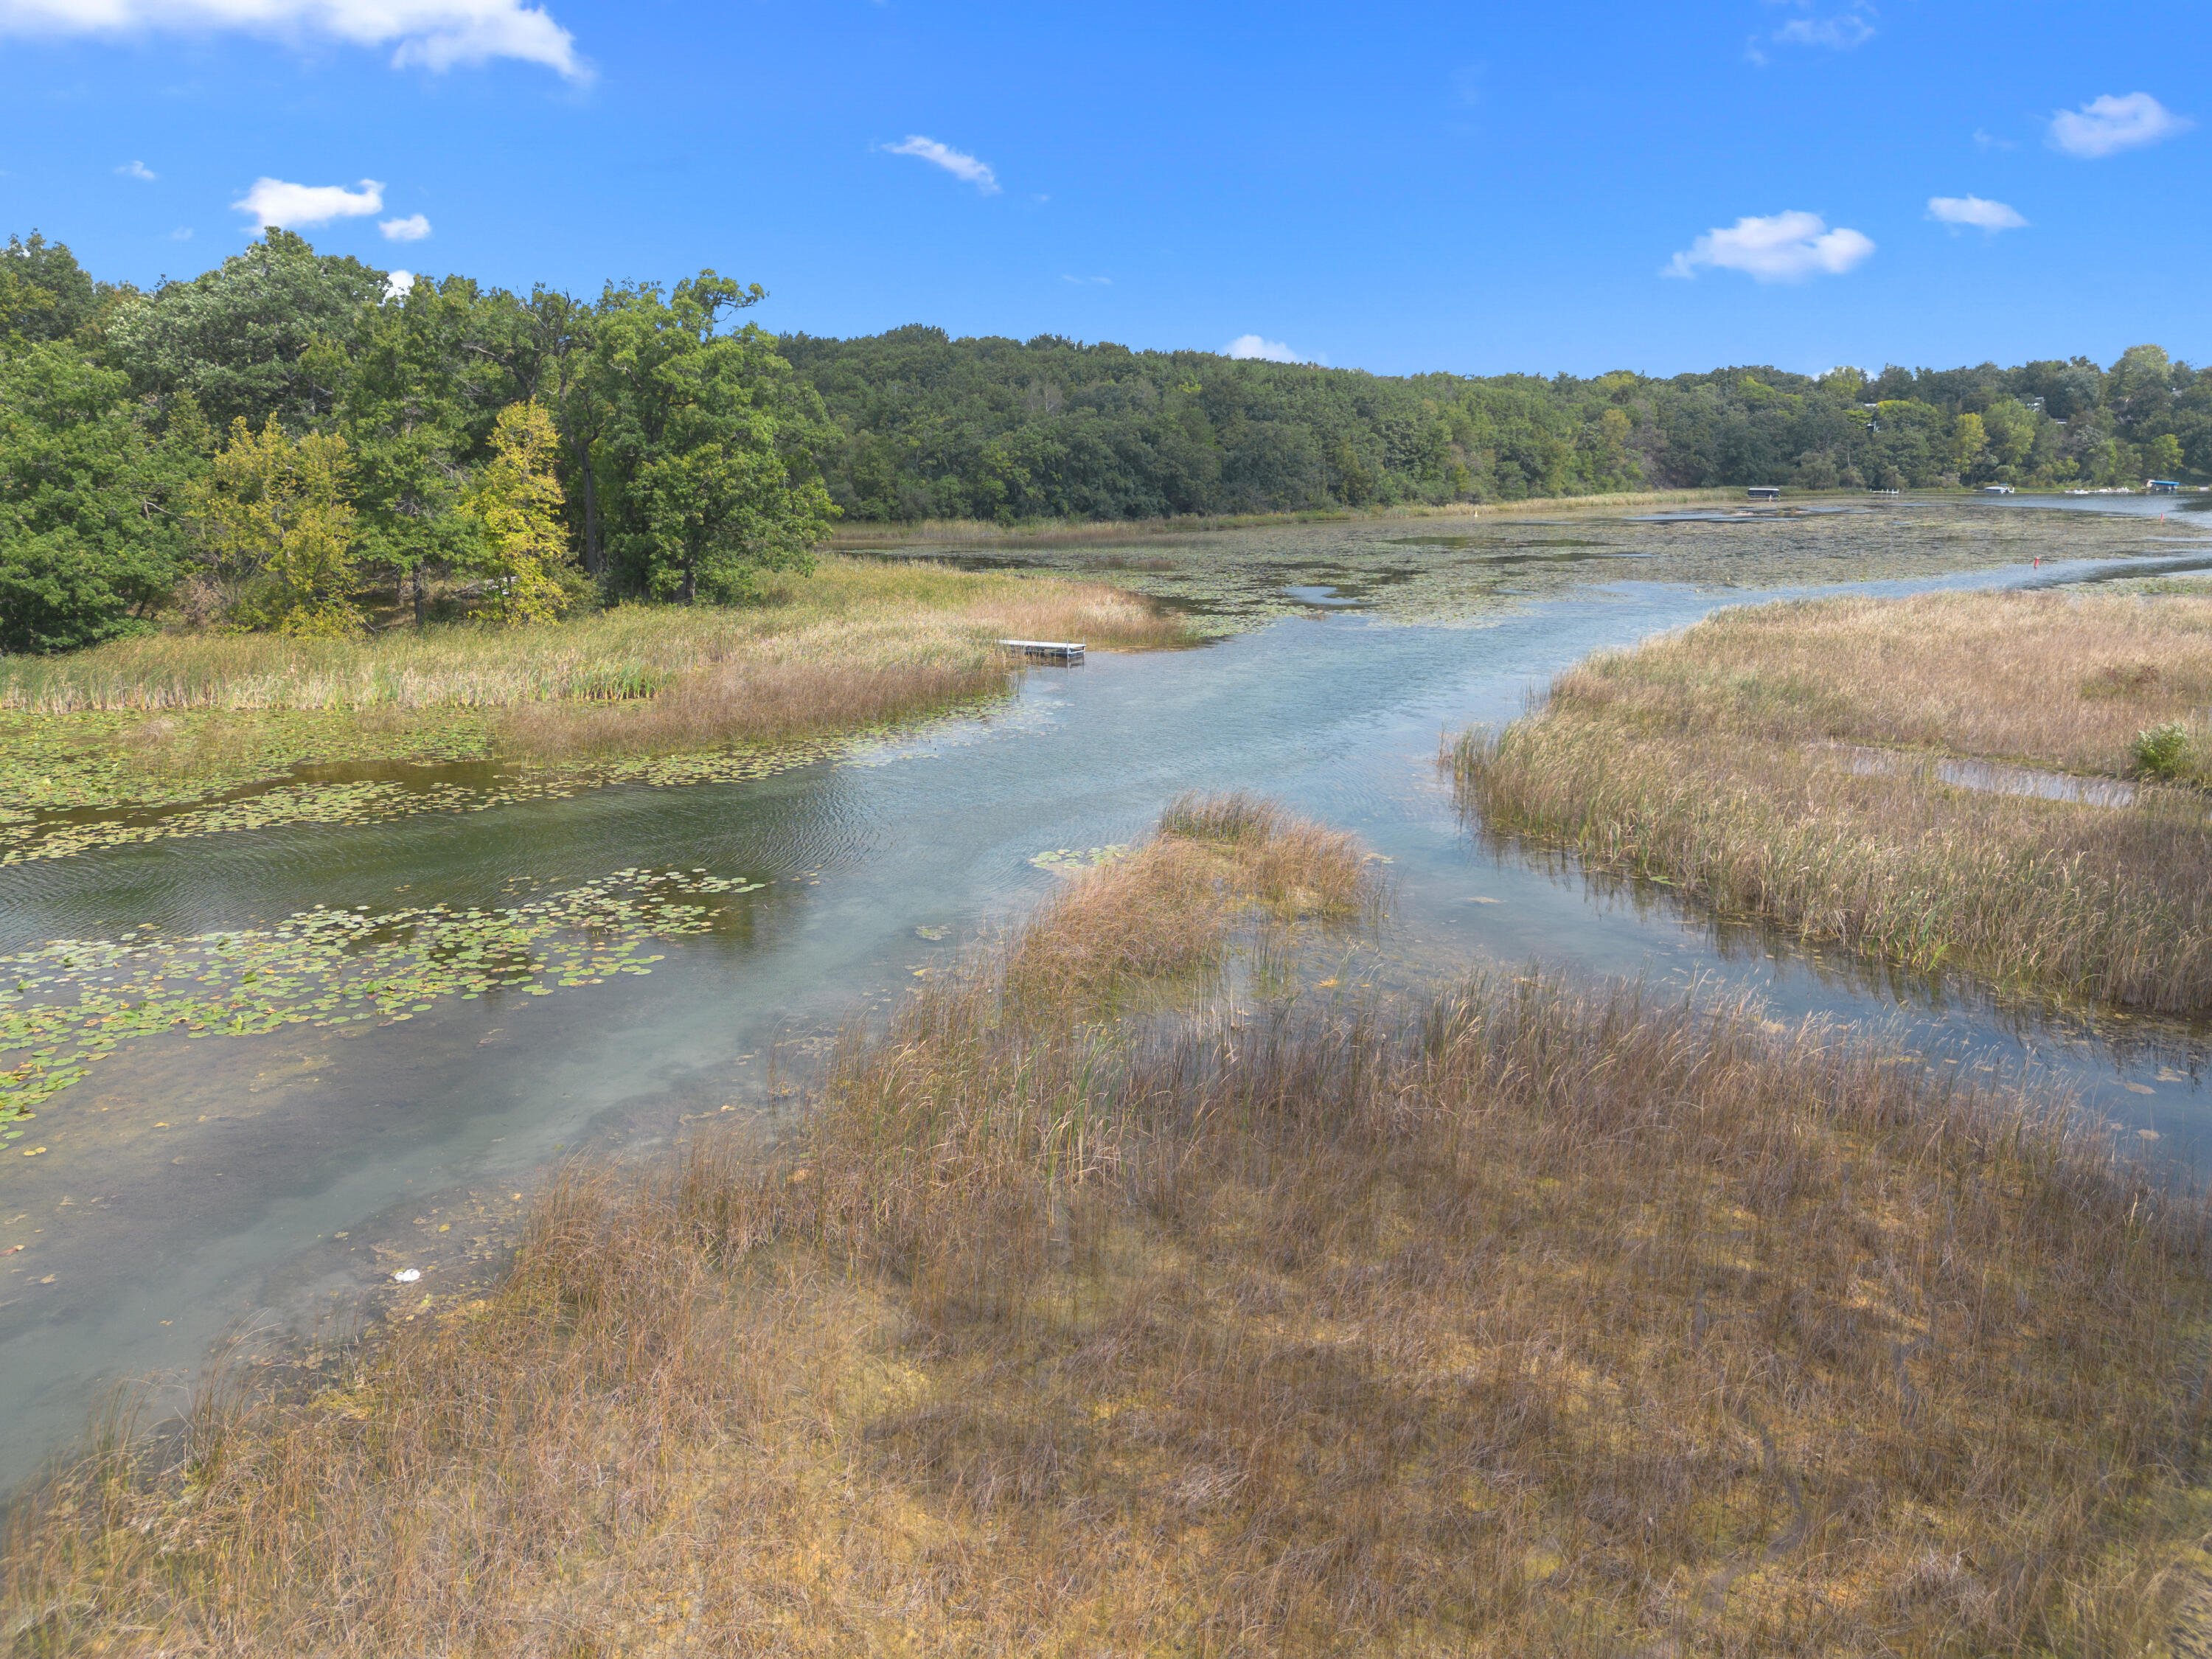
(300, 442)
(994, 428)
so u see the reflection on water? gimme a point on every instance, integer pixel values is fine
(1995, 777)
(190, 1182)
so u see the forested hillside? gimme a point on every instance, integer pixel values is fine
(294, 441)
(994, 428)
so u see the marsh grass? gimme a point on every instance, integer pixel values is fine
(866, 614)
(747, 702)
(2059, 679)
(1715, 762)
(859, 644)
(1515, 1320)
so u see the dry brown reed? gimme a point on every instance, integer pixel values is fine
(863, 614)
(746, 702)
(2060, 679)
(1517, 1320)
(1711, 761)
(1164, 916)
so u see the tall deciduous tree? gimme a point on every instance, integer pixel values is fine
(516, 504)
(276, 518)
(90, 503)
(239, 339)
(711, 442)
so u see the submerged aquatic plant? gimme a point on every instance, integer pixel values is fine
(68, 1003)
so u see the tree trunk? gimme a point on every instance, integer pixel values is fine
(691, 582)
(415, 581)
(592, 555)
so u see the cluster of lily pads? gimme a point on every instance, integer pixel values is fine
(1066, 860)
(28, 836)
(65, 1005)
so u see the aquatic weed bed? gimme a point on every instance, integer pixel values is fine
(64, 1005)
(70, 792)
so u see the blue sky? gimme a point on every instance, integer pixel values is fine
(1479, 188)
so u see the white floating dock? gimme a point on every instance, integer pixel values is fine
(1057, 650)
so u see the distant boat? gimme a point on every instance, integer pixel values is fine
(1996, 489)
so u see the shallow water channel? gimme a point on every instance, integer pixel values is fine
(195, 1184)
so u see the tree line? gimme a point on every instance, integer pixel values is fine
(291, 442)
(294, 441)
(931, 427)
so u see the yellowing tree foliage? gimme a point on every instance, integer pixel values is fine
(276, 518)
(517, 503)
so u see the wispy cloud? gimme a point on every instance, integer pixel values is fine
(413, 228)
(181, 233)
(273, 201)
(1957, 211)
(958, 162)
(438, 34)
(1089, 282)
(139, 171)
(1777, 247)
(1258, 347)
(2106, 126)
(1984, 140)
(1842, 31)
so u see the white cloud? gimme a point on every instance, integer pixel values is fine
(436, 33)
(1266, 351)
(2106, 126)
(181, 233)
(958, 162)
(1974, 211)
(1778, 247)
(273, 201)
(1989, 140)
(1089, 282)
(413, 228)
(1839, 33)
(397, 283)
(138, 170)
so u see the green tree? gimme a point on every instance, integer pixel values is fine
(1969, 440)
(239, 339)
(710, 444)
(425, 381)
(45, 294)
(276, 520)
(516, 505)
(90, 532)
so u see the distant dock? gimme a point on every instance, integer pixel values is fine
(1051, 650)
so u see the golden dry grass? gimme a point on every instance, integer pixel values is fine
(2058, 679)
(868, 615)
(1516, 1321)
(1709, 761)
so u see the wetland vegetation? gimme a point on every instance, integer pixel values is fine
(201, 732)
(1128, 1291)
(1916, 778)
